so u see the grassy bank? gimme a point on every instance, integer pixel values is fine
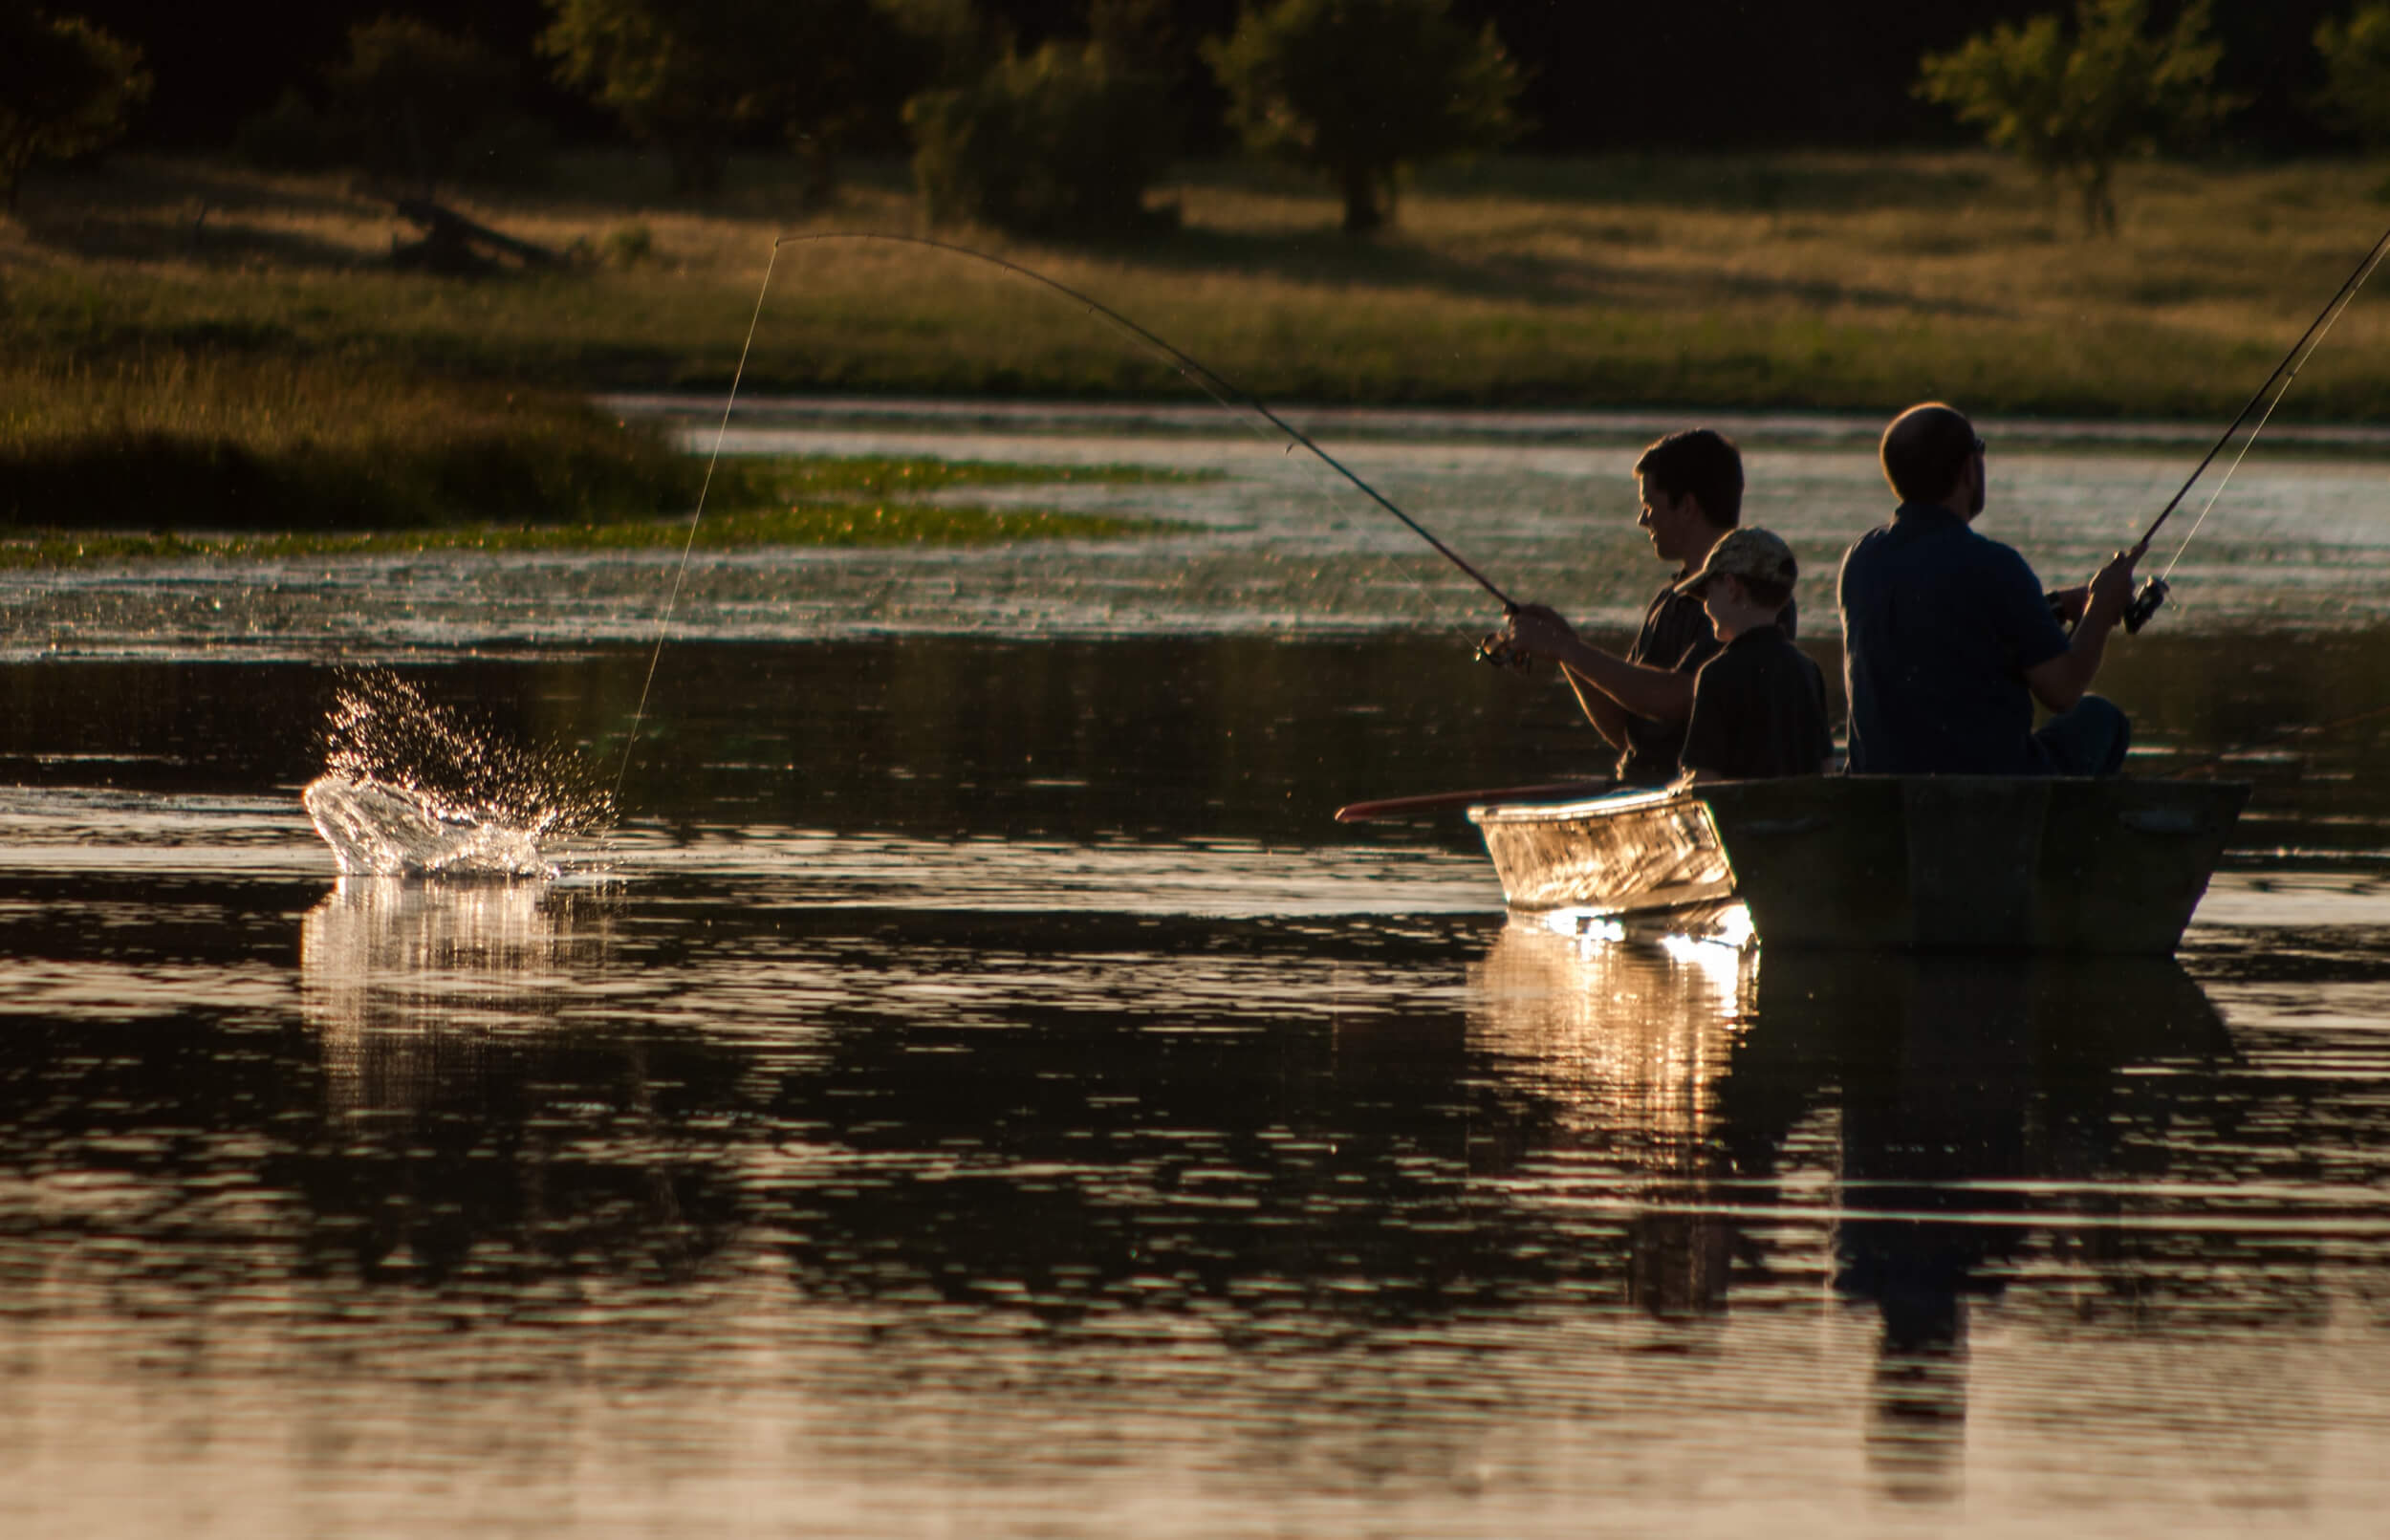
(185, 345)
(186, 439)
(1840, 281)
(181, 441)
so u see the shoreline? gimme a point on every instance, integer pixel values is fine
(690, 410)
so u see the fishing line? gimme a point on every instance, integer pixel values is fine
(2286, 371)
(2335, 310)
(663, 622)
(1223, 392)
(1193, 369)
(2308, 730)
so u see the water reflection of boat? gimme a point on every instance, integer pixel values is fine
(1948, 1096)
(1925, 864)
(1625, 1047)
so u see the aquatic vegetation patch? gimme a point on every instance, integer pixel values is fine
(177, 455)
(815, 525)
(887, 476)
(177, 440)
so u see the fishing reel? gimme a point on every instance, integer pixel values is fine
(2145, 604)
(1497, 649)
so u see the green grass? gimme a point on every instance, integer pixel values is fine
(183, 441)
(189, 345)
(881, 476)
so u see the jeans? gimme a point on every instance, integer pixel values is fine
(2090, 739)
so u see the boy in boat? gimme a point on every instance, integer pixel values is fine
(1759, 703)
(1690, 487)
(1948, 640)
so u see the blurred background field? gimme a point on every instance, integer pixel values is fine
(1825, 280)
(360, 269)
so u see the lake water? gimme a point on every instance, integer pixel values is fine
(978, 1090)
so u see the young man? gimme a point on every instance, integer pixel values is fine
(1948, 640)
(1759, 705)
(1690, 486)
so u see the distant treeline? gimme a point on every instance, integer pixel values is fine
(1601, 74)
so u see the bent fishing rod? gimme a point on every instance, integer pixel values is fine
(2154, 592)
(1211, 382)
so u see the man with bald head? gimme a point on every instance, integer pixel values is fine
(1949, 639)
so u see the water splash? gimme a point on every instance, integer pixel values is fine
(411, 788)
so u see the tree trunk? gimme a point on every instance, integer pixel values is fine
(2099, 205)
(1363, 213)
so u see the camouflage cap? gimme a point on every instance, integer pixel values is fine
(1753, 555)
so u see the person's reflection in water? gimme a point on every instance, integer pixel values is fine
(1931, 1121)
(1954, 1072)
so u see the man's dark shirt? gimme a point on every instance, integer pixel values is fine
(1759, 711)
(1938, 628)
(1677, 637)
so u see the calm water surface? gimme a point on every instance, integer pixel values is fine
(978, 1090)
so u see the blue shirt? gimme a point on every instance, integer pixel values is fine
(1939, 627)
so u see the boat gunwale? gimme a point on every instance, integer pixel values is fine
(1638, 799)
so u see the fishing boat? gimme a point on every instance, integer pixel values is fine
(1880, 862)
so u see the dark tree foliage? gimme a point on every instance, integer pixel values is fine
(2355, 93)
(1600, 75)
(407, 101)
(1062, 142)
(1361, 89)
(67, 89)
(2072, 97)
(697, 76)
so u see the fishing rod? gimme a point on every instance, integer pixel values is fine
(1211, 382)
(2153, 593)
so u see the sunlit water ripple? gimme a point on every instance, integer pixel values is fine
(1280, 545)
(977, 1090)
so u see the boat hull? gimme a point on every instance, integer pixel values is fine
(1918, 863)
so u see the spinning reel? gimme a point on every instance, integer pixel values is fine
(1496, 649)
(2145, 604)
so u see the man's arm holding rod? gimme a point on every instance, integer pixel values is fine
(1611, 689)
(2059, 682)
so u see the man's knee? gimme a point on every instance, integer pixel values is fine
(2090, 739)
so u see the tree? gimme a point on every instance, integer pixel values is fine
(2355, 95)
(67, 89)
(1063, 142)
(1363, 89)
(407, 101)
(696, 76)
(2070, 105)
(417, 96)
